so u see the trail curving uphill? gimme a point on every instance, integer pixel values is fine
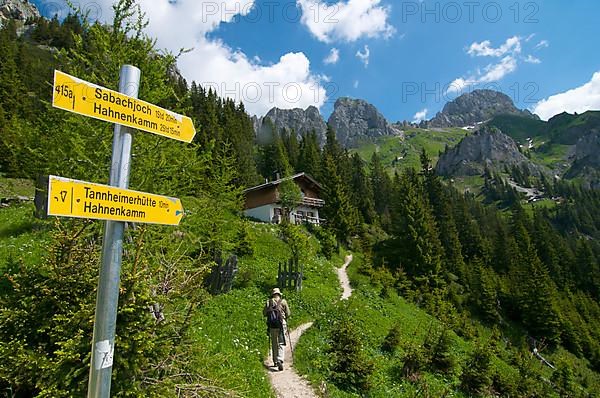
(287, 383)
(343, 277)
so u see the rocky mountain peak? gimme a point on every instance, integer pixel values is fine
(19, 10)
(476, 107)
(486, 147)
(301, 121)
(355, 120)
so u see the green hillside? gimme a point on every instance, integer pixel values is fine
(453, 296)
(399, 350)
(398, 154)
(566, 129)
(520, 128)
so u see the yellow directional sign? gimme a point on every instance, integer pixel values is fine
(78, 96)
(80, 199)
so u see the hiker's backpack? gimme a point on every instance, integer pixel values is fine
(274, 316)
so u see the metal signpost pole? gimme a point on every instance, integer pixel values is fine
(103, 343)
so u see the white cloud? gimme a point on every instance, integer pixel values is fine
(496, 72)
(484, 49)
(542, 44)
(580, 99)
(420, 116)
(287, 83)
(333, 57)
(533, 60)
(356, 84)
(491, 73)
(346, 20)
(364, 56)
(457, 85)
(509, 54)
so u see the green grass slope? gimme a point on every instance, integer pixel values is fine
(22, 237)
(398, 154)
(230, 331)
(370, 314)
(520, 128)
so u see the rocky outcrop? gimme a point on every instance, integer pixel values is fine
(353, 120)
(588, 149)
(19, 10)
(475, 108)
(301, 121)
(486, 147)
(356, 121)
(586, 164)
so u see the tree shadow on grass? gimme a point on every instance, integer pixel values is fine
(14, 230)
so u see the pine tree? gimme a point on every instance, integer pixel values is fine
(341, 215)
(587, 269)
(361, 191)
(290, 141)
(309, 155)
(488, 294)
(536, 292)
(273, 155)
(548, 243)
(381, 183)
(416, 240)
(444, 218)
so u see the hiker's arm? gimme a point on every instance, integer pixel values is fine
(287, 310)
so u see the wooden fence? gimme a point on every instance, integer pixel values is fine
(221, 276)
(290, 274)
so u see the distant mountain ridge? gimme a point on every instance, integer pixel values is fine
(476, 107)
(356, 121)
(353, 120)
(565, 146)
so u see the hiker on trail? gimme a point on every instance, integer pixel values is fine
(277, 311)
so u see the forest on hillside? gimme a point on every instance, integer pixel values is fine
(518, 269)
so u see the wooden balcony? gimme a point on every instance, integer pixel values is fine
(302, 219)
(312, 202)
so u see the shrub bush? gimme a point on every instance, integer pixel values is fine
(393, 339)
(477, 374)
(352, 368)
(441, 357)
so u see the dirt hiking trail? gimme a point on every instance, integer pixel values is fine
(287, 383)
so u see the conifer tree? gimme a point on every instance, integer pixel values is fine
(547, 244)
(536, 292)
(361, 191)
(273, 155)
(290, 141)
(416, 240)
(587, 269)
(341, 215)
(309, 155)
(444, 218)
(381, 183)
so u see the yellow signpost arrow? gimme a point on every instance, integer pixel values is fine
(78, 96)
(80, 199)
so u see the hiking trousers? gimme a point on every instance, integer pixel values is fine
(278, 343)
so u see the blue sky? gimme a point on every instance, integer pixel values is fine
(406, 57)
